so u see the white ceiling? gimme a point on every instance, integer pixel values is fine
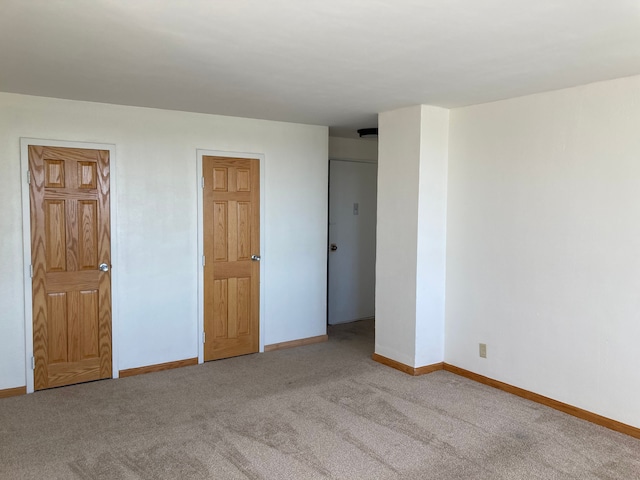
(327, 62)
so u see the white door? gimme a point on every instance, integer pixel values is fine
(352, 240)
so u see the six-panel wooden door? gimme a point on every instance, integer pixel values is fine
(231, 237)
(70, 238)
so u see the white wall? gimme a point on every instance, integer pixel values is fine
(353, 149)
(397, 233)
(543, 247)
(432, 221)
(410, 262)
(157, 221)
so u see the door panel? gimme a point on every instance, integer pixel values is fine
(232, 236)
(88, 236)
(70, 237)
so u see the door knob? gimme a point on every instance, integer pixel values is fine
(104, 267)
(333, 247)
(255, 258)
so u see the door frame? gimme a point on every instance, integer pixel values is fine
(219, 153)
(26, 247)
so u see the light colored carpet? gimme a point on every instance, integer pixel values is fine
(320, 411)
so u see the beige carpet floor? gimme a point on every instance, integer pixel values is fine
(320, 411)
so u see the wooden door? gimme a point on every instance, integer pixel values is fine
(231, 237)
(70, 238)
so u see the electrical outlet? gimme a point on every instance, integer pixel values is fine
(483, 350)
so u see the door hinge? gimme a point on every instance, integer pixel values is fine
(33, 363)
(202, 181)
(29, 177)
(31, 270)
(204, 337)
(204, 260)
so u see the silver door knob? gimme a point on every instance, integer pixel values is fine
(255, 258)
(104, 267)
